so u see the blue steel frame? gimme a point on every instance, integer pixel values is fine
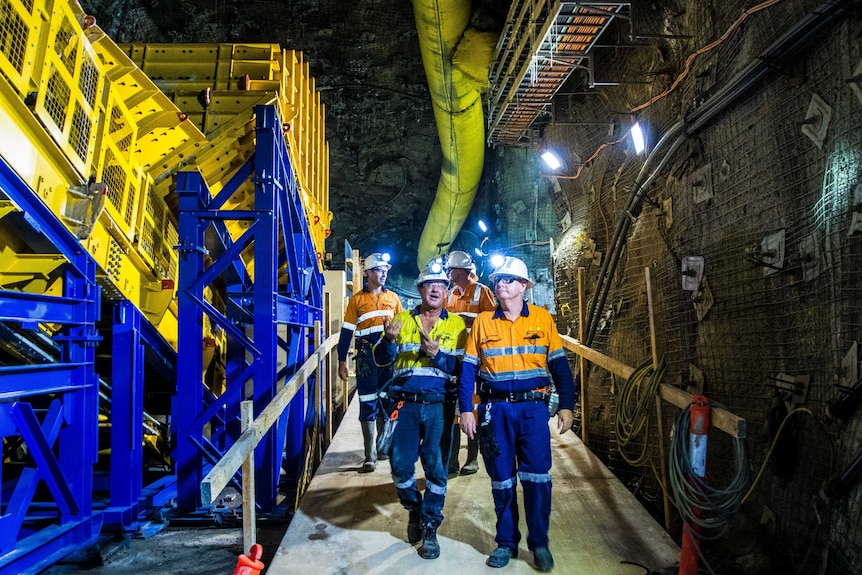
(268, 321)
(53, 407)
(130, 333)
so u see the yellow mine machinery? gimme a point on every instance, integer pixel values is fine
(163, 211)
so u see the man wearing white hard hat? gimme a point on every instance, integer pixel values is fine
(512, 354)
(467, 298)
(424, 345)
(363, 320)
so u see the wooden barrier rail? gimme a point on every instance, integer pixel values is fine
(721, 418)
(241, 453)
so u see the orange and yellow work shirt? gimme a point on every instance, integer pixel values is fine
(506, 356)
(469, 302)
(364, 318)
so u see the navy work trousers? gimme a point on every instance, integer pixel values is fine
(417, 436)
(369, 379)
(524, 439)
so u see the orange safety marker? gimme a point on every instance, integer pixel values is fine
(250, 564)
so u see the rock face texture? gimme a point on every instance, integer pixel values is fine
(385, 159)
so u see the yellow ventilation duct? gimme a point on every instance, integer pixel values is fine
(455, 82)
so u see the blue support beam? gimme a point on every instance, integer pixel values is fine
(127, 415)
(63, 444)
(268, 321)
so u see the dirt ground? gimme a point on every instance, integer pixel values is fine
(174, 551)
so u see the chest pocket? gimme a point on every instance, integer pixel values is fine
(536, 337)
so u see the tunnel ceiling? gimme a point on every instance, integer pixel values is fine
(364, 56)
(385, 158)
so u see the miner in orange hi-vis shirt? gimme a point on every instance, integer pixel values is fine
(363, 322)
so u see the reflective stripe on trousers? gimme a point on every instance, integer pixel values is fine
(524, 439)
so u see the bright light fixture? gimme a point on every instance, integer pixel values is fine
(638, 138)
(497, 260)
(478, 252)
(551, 159)
(482, 226)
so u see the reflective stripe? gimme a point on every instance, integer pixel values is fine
(408, 346)
(348, 326)
(534, 477)
(459, 351)
(366, 331)
(407, 484)
(556, 353)
(427, 371)
(375, 313)
(514, 375)
(476, 293)
(517, 350)
(368, 397)
(435, 489)
(507, 484)
(471, 358)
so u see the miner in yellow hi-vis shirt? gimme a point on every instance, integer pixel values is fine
(425, 345)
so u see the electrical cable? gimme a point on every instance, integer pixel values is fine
(621, 231)
(636, 412)
(699, 504)
(771, 447)
(703, 50)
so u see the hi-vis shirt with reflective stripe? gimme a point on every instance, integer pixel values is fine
(364, 317)
(468, 303)
(418, 372)
(515, 356)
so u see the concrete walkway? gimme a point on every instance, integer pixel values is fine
(352, 524)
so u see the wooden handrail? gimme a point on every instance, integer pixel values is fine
(224, 470)
(721, 418)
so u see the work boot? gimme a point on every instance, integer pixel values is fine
(430, 547)
(414, 529)
(543, 558)
(500, 557)
(381, 423)
(472, 465)
(370, 463)
(454, 449)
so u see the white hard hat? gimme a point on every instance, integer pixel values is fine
(432, 273)
(459, 259)
(377, 260)
(512, 267)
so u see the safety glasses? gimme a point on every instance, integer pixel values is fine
(505, 279)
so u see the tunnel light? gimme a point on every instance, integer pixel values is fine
(482, 226)
(497, 260)
(478, 252)
(637, 138)
(551, 159)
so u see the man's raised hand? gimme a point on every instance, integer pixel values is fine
(391, 328)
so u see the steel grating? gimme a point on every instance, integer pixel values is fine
(542, 43)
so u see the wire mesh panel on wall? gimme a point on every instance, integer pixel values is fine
(751, 232)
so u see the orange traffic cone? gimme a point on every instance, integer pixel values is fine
(250, 564)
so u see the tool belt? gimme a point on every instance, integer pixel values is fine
(363, 344)
(425, 398)
(488, 394)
